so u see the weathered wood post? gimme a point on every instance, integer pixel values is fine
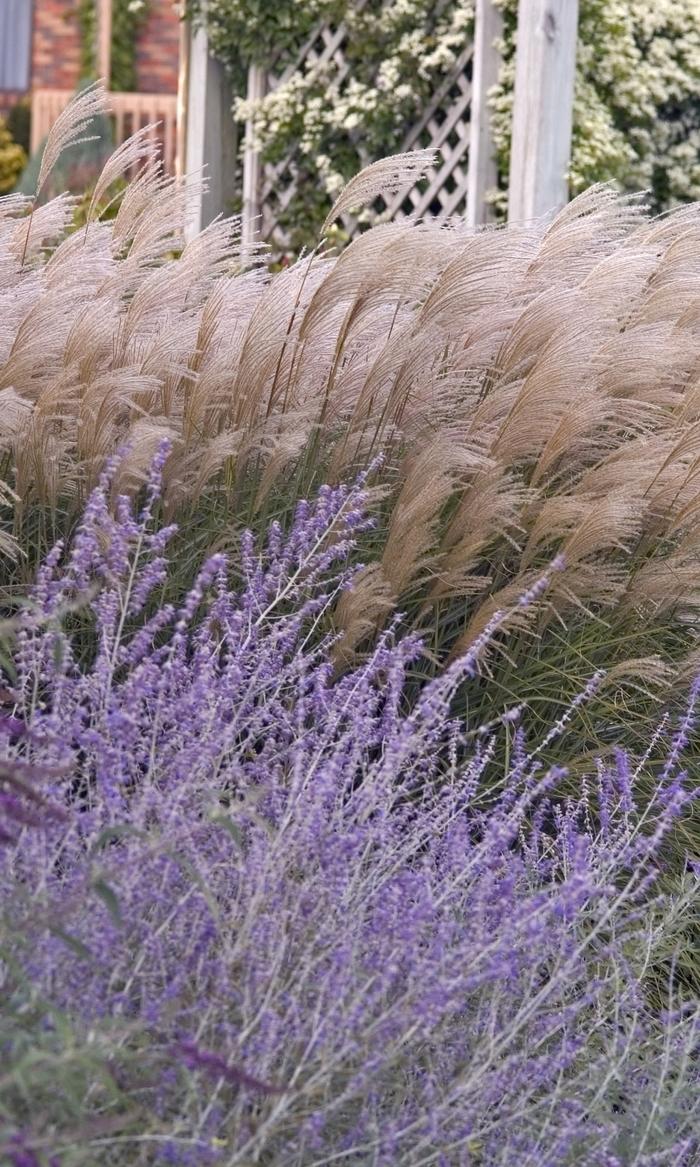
(211, 137)
(183, 80)
(543, 107)
(252, 163)
(104, 40)
(483, 170)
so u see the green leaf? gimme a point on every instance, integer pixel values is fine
(112, 834)
(185, 865)
(109, 899)
(227, 823)
(58, 651)
(71, 941)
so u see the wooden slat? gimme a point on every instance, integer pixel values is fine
(439, 139)
(178, 164)
(120, 134)
(446, 116)
(104, 39)
(129, 110)
(169, 144)
(483, 168)
(439, 99)
(252, 163)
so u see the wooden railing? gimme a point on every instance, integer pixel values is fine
(129, 111)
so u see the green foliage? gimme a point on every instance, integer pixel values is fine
(262, 32)
(87, 24)
(106, 209)
(127, 18)
(19, 122)
(58, 1078)
(12, 159)
(636, 109)
(78, 167)
(636, 117)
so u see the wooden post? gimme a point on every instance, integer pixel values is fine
(543, 107)
(483, 169)
(183, 74)
(104, 40)
(252, 165)
(211, 145)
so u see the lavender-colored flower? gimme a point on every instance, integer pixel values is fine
(22, 803)
(318, 931)
(189, 1054)
(12, 727)
(20, 1153)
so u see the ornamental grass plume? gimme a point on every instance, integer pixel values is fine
(532, 390)
(311, 932)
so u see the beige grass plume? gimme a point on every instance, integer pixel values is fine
(531, 389)
(385, 177)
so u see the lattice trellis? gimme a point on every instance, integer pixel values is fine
(443, 125)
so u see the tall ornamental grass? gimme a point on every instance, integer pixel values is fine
(255, 914)
(532, 390)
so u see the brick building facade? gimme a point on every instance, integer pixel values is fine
(49, 30)
(157, 48)
(55, 45)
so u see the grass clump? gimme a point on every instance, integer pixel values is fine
(531, 391)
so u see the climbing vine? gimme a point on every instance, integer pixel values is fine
(262, 32)
(128, 17)
(397, 54)
(636, 104)
(636, 116)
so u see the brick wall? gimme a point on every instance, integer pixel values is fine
(55, 45)
(157, 48)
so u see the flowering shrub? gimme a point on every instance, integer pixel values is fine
(309, 932)
(397, 54)
(12, 159)
(636, 117)
(636, 110)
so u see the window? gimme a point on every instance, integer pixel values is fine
(15, 44)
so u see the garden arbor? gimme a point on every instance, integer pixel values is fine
(457, 124)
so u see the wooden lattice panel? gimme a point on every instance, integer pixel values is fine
(444, 125)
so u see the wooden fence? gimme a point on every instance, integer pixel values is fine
(129, 112)
(457, 121)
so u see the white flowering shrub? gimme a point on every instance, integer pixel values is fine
(637, 97)
(397, 54)
(637, 103)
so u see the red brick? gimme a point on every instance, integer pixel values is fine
(157, 48)
(55, 45)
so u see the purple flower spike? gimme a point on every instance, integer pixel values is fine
(20, 1154)
(323, 898)
(216, 1067)
(12, 727)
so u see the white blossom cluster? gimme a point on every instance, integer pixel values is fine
(637, 97)
(336, 127)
